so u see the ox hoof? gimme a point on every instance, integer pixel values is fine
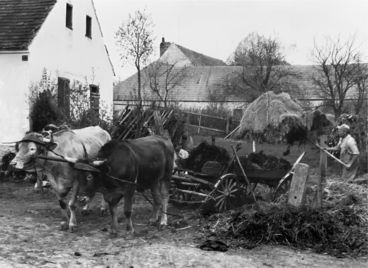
(113, 233)
(130, 229)
(162, 226)
(72, 228)
(37, 190)
(64, 226)
(103, 212)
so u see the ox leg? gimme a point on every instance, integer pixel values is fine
(156, 195)
(38, 184)
(113, 201)
(103, 208)
(165, 186)
(72, 206)
(128, 207)
(64, 211)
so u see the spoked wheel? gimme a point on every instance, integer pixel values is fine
(191, 195)
(229, 193)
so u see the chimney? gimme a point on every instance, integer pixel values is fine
(164, 46)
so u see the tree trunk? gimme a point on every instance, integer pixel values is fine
(139, 88)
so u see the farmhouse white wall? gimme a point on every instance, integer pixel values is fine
(64, 53)
(14, 78)
(69, 53)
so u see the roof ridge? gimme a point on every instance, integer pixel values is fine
(211, 61)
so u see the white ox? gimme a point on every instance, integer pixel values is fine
(35, 152)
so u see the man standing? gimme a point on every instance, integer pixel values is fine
(349, 152)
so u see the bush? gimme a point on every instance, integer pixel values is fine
(44, 111)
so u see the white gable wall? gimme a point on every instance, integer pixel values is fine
(69, 53)
(14, 77)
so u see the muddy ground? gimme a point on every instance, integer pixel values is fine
(30, 237)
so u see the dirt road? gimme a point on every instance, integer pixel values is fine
(30, 237)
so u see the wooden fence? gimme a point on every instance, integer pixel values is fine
(199, 123)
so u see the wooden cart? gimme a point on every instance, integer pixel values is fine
(225, 188)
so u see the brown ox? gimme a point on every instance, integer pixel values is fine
(144, 163)
(70, 145)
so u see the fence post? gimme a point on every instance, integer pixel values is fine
(297, 186)
(199, 122)
(321, 179)
(227, 129)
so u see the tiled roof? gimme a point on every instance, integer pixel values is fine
(200, 83)
(20, 20)
(203, 83)
(199, 59)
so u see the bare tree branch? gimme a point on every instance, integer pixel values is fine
(338, 71)
(135, 38)
(164, 78)
(263, 64)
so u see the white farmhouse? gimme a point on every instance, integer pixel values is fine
(63, 37)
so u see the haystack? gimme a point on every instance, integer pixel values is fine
(271, 110)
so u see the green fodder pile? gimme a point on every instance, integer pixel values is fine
(339, 228)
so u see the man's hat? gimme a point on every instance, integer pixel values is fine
(343, 126)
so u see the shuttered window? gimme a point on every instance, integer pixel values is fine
(69, 16)
(88, 26)
(63, 95)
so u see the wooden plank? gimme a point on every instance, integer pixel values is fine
(207, 128)
(317, 201)
(191, 192)
(232, 132)
(297, 186)
(206, 115)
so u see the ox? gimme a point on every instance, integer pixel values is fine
(35, 152)
(126, 166)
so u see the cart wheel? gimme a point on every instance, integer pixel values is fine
(229, 193)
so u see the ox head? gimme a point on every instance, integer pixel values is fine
(104, 154)
(32, 145)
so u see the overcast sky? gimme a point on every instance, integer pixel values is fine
(215, 27)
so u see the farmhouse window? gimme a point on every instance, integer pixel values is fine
(88, 26)
(69, 16)
(63, 95)
(95, 102)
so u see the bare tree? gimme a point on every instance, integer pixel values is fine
(264, 65)
(362, 88)
(339, 70)
(135, 38)
(163, 77)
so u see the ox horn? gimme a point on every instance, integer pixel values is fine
(98, 163)
(71, 159)
(46, 140)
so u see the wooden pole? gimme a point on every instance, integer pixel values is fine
(243, 172)
(321, 179)
(232, 132)
(227, 128)
(331, 155)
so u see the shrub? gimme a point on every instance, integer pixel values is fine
(44, 111)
